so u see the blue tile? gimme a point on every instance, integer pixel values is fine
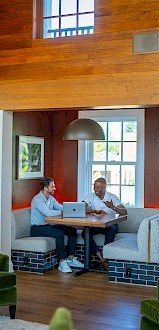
(134, 276)
(111, 269)
(116, 274)
(40, 257)
(150, 272)
(20, 263)
(130, 265)
(112, 278)
(146, 277)
(152, 283)
(32, 255)
(38, 261)
(24, 269)
(116, 264)
(17, 253)
(148, 267)
(30, 264)
(139, 282)
(120, 269)
(123, 280)
(78, 253)
(134, 266)
(138, 271)
(15, 258)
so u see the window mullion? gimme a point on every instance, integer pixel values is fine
(77, 17)
(60, 18)
(107, 141)
(121, 158)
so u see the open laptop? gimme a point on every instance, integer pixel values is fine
(74, 209)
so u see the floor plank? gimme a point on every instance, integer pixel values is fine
(95, 303)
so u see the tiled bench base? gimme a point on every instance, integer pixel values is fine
(36, 262)
(80, 254)
(33, 262)
(133, 272)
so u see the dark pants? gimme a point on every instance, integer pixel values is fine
(58, 232)
(109, 233)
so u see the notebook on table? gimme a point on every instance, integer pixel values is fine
(74, 210)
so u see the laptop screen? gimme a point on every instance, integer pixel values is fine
(74, 210)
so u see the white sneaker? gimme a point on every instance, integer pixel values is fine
(64, 268)
(75, 263)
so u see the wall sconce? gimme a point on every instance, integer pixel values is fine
(83, 129)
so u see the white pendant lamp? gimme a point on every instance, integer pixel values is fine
(83, 129)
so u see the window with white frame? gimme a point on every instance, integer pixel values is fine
(64, 18)
(119, 158)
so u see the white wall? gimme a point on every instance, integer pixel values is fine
(6, 127)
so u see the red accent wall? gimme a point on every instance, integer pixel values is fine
(65, 157)
(60, 156)
(152, 158)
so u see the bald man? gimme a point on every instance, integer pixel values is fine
(103, 202)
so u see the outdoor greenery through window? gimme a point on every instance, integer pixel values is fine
(63, 18)
(115, 159)
(119, 158)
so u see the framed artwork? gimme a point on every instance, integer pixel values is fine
(30, 157)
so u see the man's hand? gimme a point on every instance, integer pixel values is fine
(120, 209)
(109, 204)
(89, 211)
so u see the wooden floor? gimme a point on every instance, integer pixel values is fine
(95, 303)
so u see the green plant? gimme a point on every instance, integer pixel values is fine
(61, 320)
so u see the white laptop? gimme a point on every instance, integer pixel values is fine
(74, 209)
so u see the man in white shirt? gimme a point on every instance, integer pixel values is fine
(104, 202)
(45, 205)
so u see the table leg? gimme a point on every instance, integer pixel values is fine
(87, 257)
(87, 254)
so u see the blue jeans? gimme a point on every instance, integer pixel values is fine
(109, 233)
(58, 232)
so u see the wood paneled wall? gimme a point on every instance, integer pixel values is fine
(89, 71)
(15, 24)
